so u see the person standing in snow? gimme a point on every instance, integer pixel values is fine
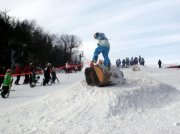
(18, 72)
(123, 63)
(118, 63)
(47, 74)
(6, 83)
(67, 67)
(103, 47)
(31, 69)
(142, 62)
(127, 62)
(159, 63)
(53, 75)
(26, 71)
(2, 73)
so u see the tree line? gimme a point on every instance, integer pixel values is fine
(23, 42)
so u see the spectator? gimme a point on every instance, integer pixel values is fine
(31, 69)
(159, 63)
(140, 59)
(53, 75)
(142, 62)
(132, 61)
(67, 67)
(2, 73)
(18, 73)
(47, 75)
(6, 83)
(135, 61)
(26, 71)
(118, 63)
(127, 62)
(123, 63)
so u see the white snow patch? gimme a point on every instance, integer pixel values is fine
(117, 76)
(146, 102)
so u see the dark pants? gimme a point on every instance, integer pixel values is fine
(159, 65)
(26, 80)
(17, 80)
(5, 90)
(1, 81)
(46, 81)
(67, 70)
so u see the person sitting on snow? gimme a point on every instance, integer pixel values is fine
(103, 47)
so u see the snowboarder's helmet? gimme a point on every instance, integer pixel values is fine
(96, 35)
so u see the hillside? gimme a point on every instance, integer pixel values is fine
(148, 102)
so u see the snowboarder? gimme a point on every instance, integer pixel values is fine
(103, 47)
(6, 83)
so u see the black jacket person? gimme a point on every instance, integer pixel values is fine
(47, 74)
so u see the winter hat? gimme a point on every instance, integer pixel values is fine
(49, 64)
(99, 36)
(8, 70)
(96, 35)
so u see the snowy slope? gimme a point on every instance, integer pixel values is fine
(147, 103)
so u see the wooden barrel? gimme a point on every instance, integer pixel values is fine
(97, 76)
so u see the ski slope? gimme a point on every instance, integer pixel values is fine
(148, 102)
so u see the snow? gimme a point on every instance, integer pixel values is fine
(147, 102)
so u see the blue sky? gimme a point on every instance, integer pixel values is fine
(150, 28)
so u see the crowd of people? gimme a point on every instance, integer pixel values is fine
(70, 67)
(31, 75)
(126, 62)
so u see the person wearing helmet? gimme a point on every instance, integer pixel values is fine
(103, 47)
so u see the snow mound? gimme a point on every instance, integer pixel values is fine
(135, 68)
(117, 76)
(81, 108)
(141, 95)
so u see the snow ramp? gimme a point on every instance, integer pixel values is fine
(139, 96)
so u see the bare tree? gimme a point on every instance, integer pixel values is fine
(69, 42)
